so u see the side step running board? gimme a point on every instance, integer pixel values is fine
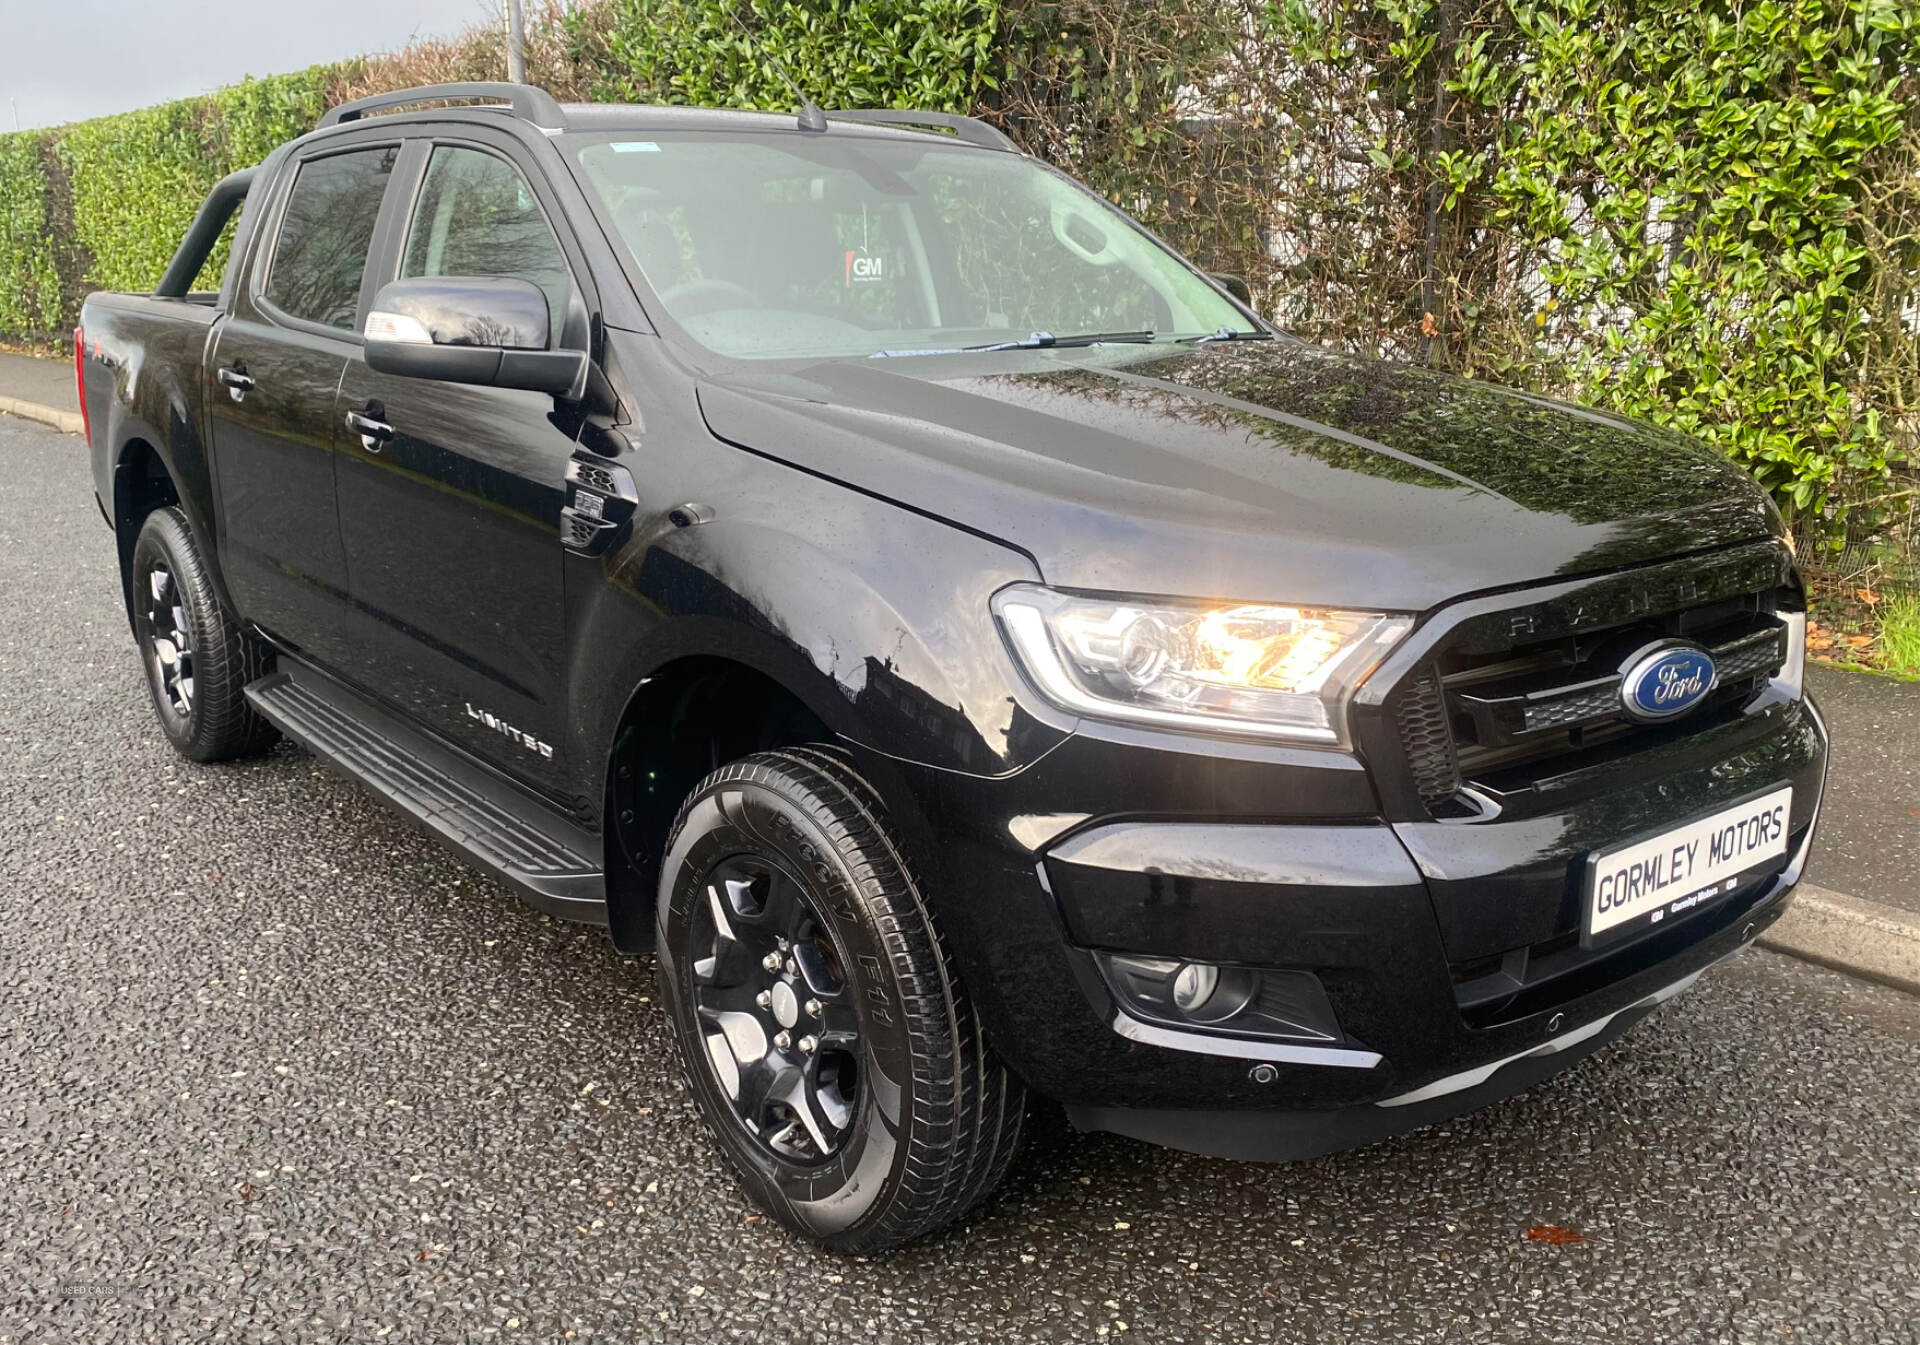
(550, 859)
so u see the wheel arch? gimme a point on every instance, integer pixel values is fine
(157, 459)
(803, 613)
(690, 715)
(706, 702)
(143, 481)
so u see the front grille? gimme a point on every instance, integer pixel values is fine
(1421, 715)
(1496, 705)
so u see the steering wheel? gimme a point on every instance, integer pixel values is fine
(690, 298)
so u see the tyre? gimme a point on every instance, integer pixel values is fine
(198, 658)
(822, 1031)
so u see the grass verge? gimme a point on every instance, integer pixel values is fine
(1900, 635)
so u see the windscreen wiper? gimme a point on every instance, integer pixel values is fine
(1224, 334)
(1043, 340)
(1035, 341)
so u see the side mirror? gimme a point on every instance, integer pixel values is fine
(1235, 285)
(490, 330)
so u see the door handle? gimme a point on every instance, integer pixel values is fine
(373, 433)
(236, 380)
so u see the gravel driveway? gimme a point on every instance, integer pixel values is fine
(272, 1066)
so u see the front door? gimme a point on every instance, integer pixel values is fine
(451, 517)
(275, 372)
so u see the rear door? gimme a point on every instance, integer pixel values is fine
(451, 521)
(275, 372)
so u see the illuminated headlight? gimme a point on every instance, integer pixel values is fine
(1270, 671)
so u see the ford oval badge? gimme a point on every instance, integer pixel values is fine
(1665, 680)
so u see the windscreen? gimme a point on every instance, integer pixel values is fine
(784, 246)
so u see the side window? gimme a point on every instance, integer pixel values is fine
(477, 217)
(322, 248)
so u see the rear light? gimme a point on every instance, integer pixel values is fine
(80, 379)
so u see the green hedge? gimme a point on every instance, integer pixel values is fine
(139, 177)
(1703, 213)
(927, 54)
(30, 303)
(137, 180)
(1699, 188)
(133, 182)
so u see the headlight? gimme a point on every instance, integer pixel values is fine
(1270, 671)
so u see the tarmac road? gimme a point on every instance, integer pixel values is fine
(273, 1066)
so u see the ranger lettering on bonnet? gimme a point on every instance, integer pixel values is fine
(1065, 683)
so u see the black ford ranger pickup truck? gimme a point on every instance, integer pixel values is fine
(970, 648)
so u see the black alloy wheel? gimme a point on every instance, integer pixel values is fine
(161, 625)
(821, 1028)
(770, 991)
(197, 655)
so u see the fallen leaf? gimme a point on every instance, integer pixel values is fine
(1867, 596)
(1859, 641)
(1428, 327)
(248, 1193)
(423, 1254)
(1554, 1236)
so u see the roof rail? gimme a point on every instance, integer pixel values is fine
(529, 102)
(970, 129)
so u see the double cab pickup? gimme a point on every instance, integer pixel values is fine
(964, 645)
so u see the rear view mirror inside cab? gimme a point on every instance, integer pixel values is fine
(1081, 236)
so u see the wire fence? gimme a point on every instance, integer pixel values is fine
(1879, 554)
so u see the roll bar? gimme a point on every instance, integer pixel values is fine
(215, 211)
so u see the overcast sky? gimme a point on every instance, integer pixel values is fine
(62, 60)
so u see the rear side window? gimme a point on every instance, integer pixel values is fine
(477, 217)
(324, 235)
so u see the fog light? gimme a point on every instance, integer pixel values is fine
(1209, 994)
(1194, 985)
(1251, 1001)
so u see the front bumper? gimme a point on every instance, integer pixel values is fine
(1292, 1135)
(1134, 843)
